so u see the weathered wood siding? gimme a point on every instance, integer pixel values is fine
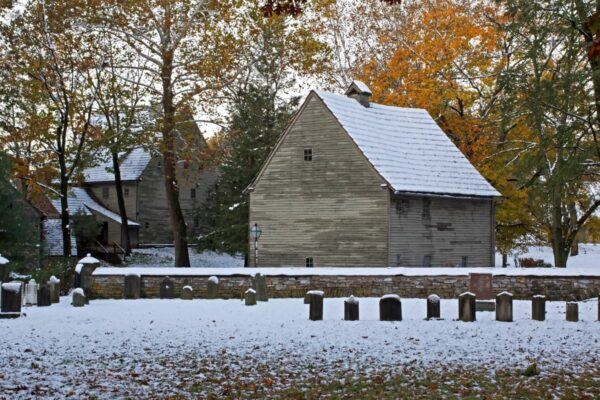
(153, 217)
(332, 208)
(131, 205)
(443, 229)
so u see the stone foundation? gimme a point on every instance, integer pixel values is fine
(234, 286)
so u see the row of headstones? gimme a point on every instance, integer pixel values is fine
(133, 286)
(390, 307)
(14, 295)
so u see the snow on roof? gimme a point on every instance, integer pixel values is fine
(360, 86)
(132, 166)
(79, 201)
(408, 148)
(53, 238)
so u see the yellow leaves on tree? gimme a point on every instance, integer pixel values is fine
(442, 56)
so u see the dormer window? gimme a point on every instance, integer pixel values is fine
(308, 154)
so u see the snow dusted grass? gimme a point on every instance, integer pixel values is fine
(589, 256)
(165, 257)
(221, 348)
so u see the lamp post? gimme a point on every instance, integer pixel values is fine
(256, 232)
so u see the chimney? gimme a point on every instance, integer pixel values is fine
(360, 92)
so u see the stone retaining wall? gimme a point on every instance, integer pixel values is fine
(522, 287)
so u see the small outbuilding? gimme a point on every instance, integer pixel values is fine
(351, 183)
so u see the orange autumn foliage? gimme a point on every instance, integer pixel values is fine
(443, 56)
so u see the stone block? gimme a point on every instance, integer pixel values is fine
(78, 298)
(466, 307)
(133, 286)
(390, 308)
(351, 309)
(572, 311)
(504, 307)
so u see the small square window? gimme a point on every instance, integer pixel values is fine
(427, 261)
(126, 192)
(310, 262)
(193, 193)
(147, 225)
(105, 192)
(307, 154)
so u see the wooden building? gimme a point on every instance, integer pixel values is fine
(353, 183)
(145, 198)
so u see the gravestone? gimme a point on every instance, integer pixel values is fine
(213, 287)
(10, 297)
(467, 307)
(31, 289)
(538, 308)
(250, 297)
(133, 286)
(187, 293)
(572, 311)
(3, 268)
(43, 296)
(54, 284)
(78, 298)
(315, 303)
(77, 276)
(167, 289)
(433, 306)
(480, 284)
(260, 285)
(351, 309)
(504, 307)
(390, 308)
(89, 264)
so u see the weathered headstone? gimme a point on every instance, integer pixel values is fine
(167, 289)
(213, 287)
(31, 289)
(260, 285)
(433, 306)
(390, 308)
(315, 303)
(504, 307)
(250, 297)
(89, 264)
(351, 309)
(54, 284)
(77, 276)
(466, 307)
(187, 293)
(11, 297)
(43, 298)
(480, 284)
(572, 311)
(78, 298)
(3, 268)
(538, 307)
(133, 286)
(11, 300)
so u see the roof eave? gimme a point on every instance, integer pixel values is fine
(453, 195)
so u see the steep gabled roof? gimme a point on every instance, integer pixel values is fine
(53, 241)
(407, 148)
(79, 201)
(132, 166)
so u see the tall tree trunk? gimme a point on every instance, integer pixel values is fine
(504, 260)
(125, 239)
(64, 205)
(573, 228)
(182, 258)
(559, 248)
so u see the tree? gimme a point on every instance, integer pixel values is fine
(19, 230)
(121, 114)
(51, 54)
(552, 92)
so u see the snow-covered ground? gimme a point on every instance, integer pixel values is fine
(588, 257)
(165, 257)
(120, 348)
